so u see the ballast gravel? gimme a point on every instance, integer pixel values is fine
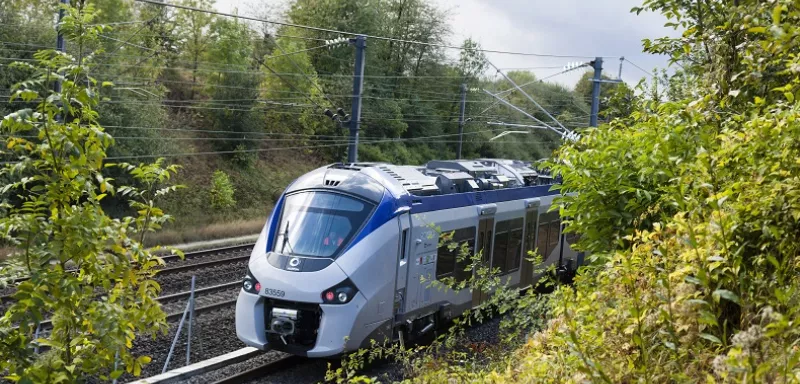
(213, 334)
(204, 277)
(314, 370)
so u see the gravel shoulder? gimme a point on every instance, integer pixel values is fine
(314, 370)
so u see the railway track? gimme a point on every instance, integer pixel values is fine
(202, 304)
(187, 257)
(191, 261)
(202, 265)
(207, 298)
(262, 370)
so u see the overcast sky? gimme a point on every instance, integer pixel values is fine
(561, 27)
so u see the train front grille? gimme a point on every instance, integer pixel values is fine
(306, 326)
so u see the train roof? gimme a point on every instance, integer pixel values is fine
(439, 177)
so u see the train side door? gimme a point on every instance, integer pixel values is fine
(484, 246)
(531, 225)
(421, 261)
(403, 251)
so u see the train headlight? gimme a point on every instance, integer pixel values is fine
(342, 293)
(250, 284)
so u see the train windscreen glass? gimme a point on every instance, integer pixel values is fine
(319, 224)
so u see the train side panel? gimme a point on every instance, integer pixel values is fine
(371, 266)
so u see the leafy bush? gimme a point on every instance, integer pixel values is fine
(221, 192)
(453, 355)
(690, 208)
(63, 240)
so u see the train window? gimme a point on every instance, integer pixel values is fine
(489, 240)
(500, 246)
(541, 242)
(530, 232)
(447, 263)
(319, 224)
(514, 244)
(553, 238)
(571, 238)
(403, 241)
(462, 236)
(507, 245)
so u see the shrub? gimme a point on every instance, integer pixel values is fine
(57, 174)
(690, 208)
(221, 192)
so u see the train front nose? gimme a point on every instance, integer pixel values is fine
(287, 311)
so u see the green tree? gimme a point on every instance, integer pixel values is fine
(297, 102)
(221, 191)
(63, 240)
(689, 208)
(234, 104)
(25, 26)
(193, 32)
(585, 86)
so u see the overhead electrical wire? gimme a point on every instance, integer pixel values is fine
(639, 68)
(328, 30)
(376, 141)
(314, 83)
(240, 71)
(339, 138)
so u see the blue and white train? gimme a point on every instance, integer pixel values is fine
(340, 261)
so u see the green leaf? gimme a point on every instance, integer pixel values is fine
(692, 280)
(776, 14)
(727, 295)
(757, 29)
(711, 338)
(697, 302)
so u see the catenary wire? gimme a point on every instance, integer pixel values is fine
(327, 30)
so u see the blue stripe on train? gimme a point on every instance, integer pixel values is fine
(273, 222)
(385, 211)
(388, 207)
(458, 200)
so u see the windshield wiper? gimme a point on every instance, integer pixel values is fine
(286, 238)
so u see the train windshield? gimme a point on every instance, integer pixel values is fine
(319, 224)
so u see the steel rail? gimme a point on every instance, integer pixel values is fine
(176, 316)
(263, 370)
(171, 258)
(206, 264)
(186, 294)
(207, 308)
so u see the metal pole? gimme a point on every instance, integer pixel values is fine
(116, 354)
(36, 337)
(61, 46)
(461, 119)
(175, 340)
(189, 328)
(621, 59)
(360, 42)
(598, 70)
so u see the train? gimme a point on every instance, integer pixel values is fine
(349, 251)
